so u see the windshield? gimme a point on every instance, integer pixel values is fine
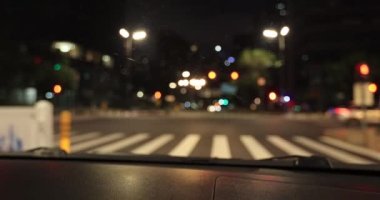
(219, 79)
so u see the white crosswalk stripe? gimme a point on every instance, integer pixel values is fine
(95, 142)
(287, 147)
(220, 147)
(153, 145)
(257, 150)
(186, 146)
(331, 152)
(351, 147)
(83, 137)
(121, 143)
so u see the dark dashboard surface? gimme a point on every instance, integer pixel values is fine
(60, 179)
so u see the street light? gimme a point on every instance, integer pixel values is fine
(270, 33)
(124, 33)
(284, 31)
(139, 35)
(136, 35)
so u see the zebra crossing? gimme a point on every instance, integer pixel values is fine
(260, 147)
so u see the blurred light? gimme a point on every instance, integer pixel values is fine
(211, 108)
(234, 75)
(257, 101)
(261, 81)
(226, 63)
(283, 12)
(64, 47)
(202, 82)
(198, 87)
(253, 106)
(139, 35)
(218, 108)
(106, 58)
(183, 82)
(342, 111)
(284, 31)
(57, 67)
(231, 59)
(185, 74)
(194, 105)
(183, 90)
(280, 6)
(193, 48)
(272, 96)
(286, 99)
(223, 102)
(172, 85)
(364, 69)
(218, 48)
(297, 108)
(124, 33)
(270, 33)
(211, 75)
(187, 104)
(57, 89)
(157, 95)
(170, 98)
(49, 95)
(372, 88)
(140, 94)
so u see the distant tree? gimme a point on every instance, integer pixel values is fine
(257, 59)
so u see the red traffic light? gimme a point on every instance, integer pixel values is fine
(364, 69)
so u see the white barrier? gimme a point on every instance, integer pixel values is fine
(23, 128)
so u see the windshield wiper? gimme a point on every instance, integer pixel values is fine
(47, 151)
(305, 161)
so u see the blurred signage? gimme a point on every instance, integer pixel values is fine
(23, 128)
(362, 96)
(228, 89)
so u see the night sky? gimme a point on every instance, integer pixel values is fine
(96, 23)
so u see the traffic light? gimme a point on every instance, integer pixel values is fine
(372, 88)
(223, 102)
(363, 70)
(212, 75)
(234, 75)
(57, 67)
(57, 89)
(157, 95)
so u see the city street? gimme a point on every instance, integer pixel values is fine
(221, 135)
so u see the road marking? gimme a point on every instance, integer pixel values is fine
(287, 147)
(351, 147)
(256, 150)
(153, 145)
(186, 146)
(97, 141)
(220, 147)
(121, 144)
(84, 136)
(331, 152)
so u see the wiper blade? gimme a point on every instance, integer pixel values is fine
(47, 151)
(316, 162)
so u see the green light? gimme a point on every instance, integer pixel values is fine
(57, 67)
(223, 102)
(226, 102)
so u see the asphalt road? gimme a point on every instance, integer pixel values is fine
(219, 135)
